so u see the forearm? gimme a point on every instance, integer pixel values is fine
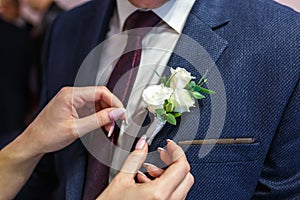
(17, 162)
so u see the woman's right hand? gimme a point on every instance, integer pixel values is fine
(172, 183)
(60, 123)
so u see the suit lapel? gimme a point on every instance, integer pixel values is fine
(200, 27)
(198, 49)
(92, 31)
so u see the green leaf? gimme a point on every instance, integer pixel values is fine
(190, 85)
(197, 88)
(193, 83)
(171, 119)
(206, 91)
(161, 117)
(160, 111)
(177, 114)
(197, 95)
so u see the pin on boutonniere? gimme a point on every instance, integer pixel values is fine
(172, 97)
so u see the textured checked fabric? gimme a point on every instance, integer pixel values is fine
(120, 82)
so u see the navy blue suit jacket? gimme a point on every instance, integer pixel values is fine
(256, 47)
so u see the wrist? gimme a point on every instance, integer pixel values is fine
(28, 145)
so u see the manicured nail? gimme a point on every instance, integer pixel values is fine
(125, 121)
(116, 114)
(159, 149)
(111, 129)
(168, 140)
(141, 143)
(150, 167)
(141, 173)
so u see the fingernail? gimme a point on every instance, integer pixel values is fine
(141, 173)
(111, 129)
(141, 143)
(125, 121)
(159, 149)
(116, 114)
(168, 140)
(149, 166)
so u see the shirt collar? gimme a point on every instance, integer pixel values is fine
(173, 12)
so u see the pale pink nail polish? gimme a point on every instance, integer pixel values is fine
(116, 114)
(141, 143)
(159, 149)
(141, 173)
(149, 166)
(168, 140)
(111, 129)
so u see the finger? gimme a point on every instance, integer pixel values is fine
(135, 160)
(165, 156)
(176, 172)
(101, 105)
(110, 129)
(153, 170)
(82, 95)
(96, 106)
(142, 178)
(183, 189)
(107, 98)
(175, 151)
(97, 120)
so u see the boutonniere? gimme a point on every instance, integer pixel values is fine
(174, 96)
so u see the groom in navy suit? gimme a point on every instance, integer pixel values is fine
(255, 45)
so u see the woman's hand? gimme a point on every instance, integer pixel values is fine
(172, 183)
(155, 172)
(59, 124)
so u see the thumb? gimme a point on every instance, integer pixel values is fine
(99, 119)
(135, 159)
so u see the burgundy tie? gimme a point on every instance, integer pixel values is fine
(120, 82)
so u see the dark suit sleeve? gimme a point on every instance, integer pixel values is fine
(42, 183)
(280, 176)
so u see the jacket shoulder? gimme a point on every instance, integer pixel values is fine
(75, 15)
(264, 12)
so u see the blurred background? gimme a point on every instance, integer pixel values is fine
(23, 26)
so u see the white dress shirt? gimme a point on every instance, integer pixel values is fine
(158, 45)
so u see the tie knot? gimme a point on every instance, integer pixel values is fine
(141, 19)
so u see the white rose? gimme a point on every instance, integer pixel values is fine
(155, 96)
(182, 100)
(180, 78)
